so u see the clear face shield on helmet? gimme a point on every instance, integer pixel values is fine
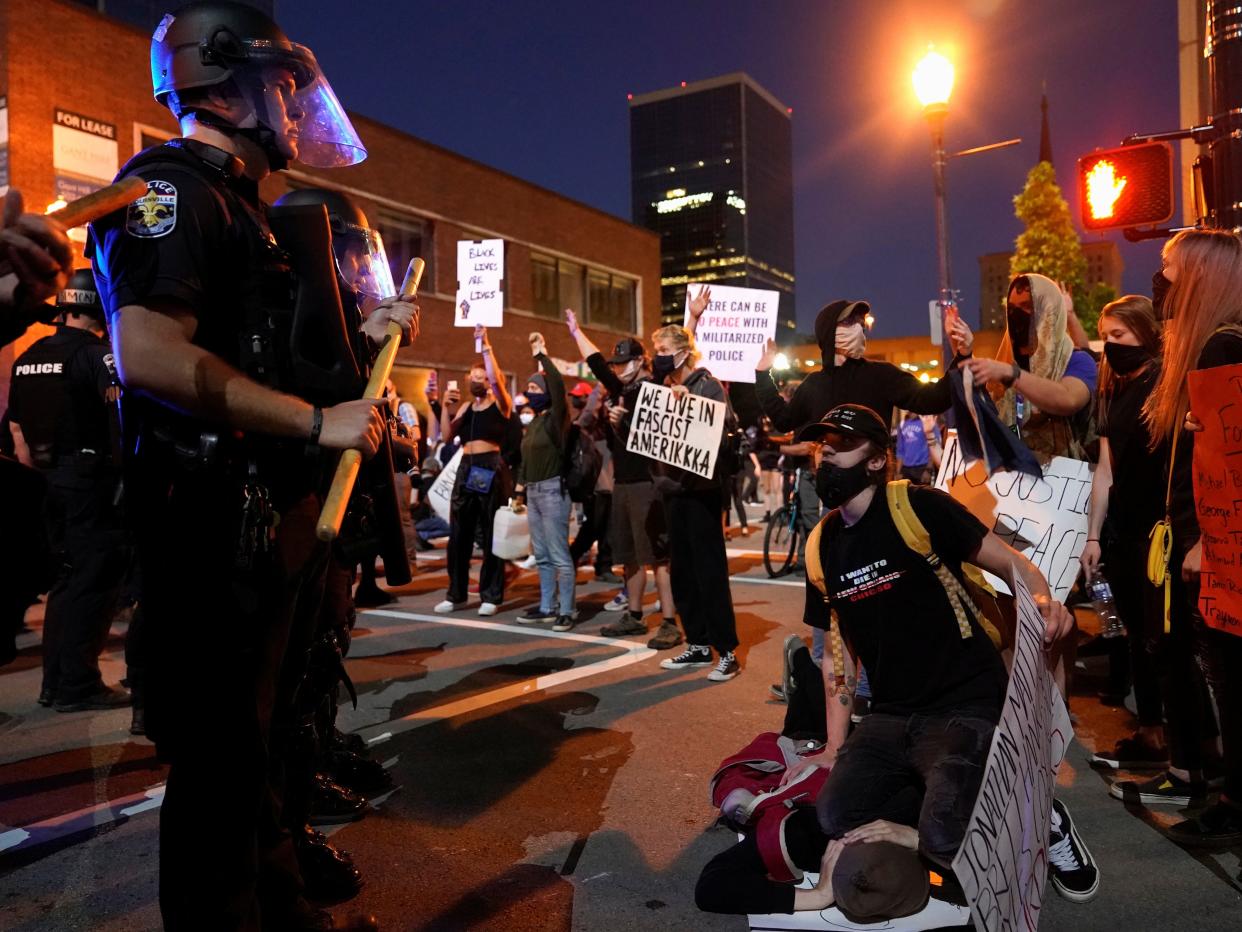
(289, 96)
(362, 262)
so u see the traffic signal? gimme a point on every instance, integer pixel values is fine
(1127, 187)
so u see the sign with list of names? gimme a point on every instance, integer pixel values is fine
(480, 283)
(1216, 399)
(734, 329)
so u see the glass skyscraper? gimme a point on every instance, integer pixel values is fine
(711, 169)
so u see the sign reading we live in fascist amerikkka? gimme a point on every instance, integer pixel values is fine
(681, 431)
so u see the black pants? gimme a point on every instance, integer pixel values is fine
(1189, 723)
(594, 530)
(1141, 607)
(699, 569)
(86, 535)
(736, 485)
(473, 514)
(1221, 656)
(215, 643)
(736, 880)
(944, 755)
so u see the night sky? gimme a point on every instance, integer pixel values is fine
(539, 90)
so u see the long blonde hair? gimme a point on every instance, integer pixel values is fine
(1206, 294)
(682, 339)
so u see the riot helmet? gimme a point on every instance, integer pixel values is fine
(358, 249)
(287, 106)
(80, 296)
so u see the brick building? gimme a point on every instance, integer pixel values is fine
(78, 93)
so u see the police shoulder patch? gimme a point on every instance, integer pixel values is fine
(155, 213)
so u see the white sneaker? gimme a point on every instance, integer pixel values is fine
(527, 564)
(443, 608)
(489, 608)
(620, 602)
(657, 608)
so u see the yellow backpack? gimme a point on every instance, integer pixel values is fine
(916, 537)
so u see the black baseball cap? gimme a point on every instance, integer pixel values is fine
(849, 421)
(626, 350)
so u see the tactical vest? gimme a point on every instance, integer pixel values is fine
(59, 419)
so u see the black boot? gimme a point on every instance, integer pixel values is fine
(372, 596)
(332, 804)
(327, 871)
(357, 773)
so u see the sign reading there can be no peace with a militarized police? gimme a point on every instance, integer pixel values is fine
(682, 431)
(734, 329)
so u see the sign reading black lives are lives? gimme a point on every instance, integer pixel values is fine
(681, 431)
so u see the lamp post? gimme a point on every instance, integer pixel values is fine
(933, 83)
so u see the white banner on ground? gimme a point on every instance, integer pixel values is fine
(1044, 519)
(1003, 862)
(480, 277)
(683, 432)
(734, 330)
(440, 495)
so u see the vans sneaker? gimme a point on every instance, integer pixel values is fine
(1131, 754)
(1071, 868)
(1162, 788)
(534, 615)
(565, 622)
(727, 667)
(620, 602)
(691, 658)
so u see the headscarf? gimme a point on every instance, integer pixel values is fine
(1053, 345)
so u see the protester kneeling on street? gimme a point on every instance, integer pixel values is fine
(937, 679)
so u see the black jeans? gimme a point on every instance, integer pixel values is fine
(473, 513)
(1220, 655)
(85, 533)
(1141, 607)
(887, 754)
(1189, 723)
(594, 530)
(699, 569)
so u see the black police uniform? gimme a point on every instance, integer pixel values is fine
(62, 394)
(224, 528)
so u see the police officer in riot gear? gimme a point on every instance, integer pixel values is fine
(62, 407)
(223, 446)
(326, 784)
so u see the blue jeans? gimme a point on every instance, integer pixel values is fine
(547, 508)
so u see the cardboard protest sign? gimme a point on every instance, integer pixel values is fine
(1003, 861)
(1216, 398)
(1044, 519)
(440, 495)
(683, 432)
(734, 330)
(480, 283)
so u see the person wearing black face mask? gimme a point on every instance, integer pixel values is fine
(1160, 286)
(937, 680)
(1125, 503)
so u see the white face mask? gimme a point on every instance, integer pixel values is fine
(526, 417)
(851, 340)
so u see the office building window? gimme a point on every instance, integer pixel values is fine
(601, 299)
(543, 275)
(405, 237)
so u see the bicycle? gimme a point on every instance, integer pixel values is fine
(780, 540)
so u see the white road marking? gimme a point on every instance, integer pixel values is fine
(119, 810)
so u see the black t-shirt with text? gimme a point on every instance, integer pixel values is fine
(894, 613)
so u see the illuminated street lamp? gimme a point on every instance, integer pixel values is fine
(933, 83)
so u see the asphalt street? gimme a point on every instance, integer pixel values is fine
(546, 781)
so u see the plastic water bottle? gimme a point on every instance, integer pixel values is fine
(1102, 602)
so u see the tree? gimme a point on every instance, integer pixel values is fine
(1049, 244)
(1088, 306)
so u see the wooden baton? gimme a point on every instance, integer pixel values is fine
(100, 203)
(347, 468)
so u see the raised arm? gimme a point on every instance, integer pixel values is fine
(698, 304)
(585, 346)
(495, 375)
